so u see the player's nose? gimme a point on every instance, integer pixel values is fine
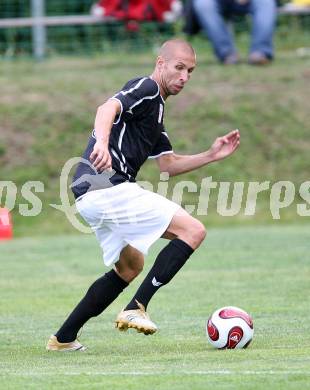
(184, 76)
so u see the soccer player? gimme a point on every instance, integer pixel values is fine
(126, 218)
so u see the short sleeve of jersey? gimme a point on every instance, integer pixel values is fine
(163, 146)
(135, 92)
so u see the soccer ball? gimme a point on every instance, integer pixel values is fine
(230, 327)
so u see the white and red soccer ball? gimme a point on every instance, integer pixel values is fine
(230, 327)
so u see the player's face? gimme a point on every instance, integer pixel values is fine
(176, 72)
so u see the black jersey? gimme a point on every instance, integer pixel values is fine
(138, 133)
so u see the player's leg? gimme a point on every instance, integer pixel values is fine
(130, 263)
(98, 297)
(186, 234)
(128, 268)
(187, 228)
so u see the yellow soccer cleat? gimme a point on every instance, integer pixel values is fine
(137, 319)
(54, 345)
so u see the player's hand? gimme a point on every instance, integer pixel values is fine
(225, 146)
(100, 157)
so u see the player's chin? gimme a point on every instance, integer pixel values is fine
(175, 91)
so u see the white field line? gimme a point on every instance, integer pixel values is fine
(164, 373)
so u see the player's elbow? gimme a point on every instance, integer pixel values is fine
(169, 170)
(166, 164)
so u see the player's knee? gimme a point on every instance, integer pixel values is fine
(200, 232)
(137, 269)
(129, 273)
(132, 273)
(130, 264)
(197, 233)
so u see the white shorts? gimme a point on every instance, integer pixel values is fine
(126, 214)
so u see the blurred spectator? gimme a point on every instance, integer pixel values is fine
(212, 16)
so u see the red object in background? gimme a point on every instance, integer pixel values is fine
(139, 10)
(132, 26)
(6, 228)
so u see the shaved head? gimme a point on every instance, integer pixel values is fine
(175, 62)
(171, 48)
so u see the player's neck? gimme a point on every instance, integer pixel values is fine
(154, 76)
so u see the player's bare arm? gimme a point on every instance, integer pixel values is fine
(222, 147)
(105, 117)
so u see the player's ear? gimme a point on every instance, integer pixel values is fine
(160, 62)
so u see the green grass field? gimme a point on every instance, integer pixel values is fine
(264, 270)
(261, 265)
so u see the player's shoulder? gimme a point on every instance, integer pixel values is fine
(145, 85)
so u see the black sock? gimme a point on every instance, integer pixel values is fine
(98, 297)
(169, 261)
